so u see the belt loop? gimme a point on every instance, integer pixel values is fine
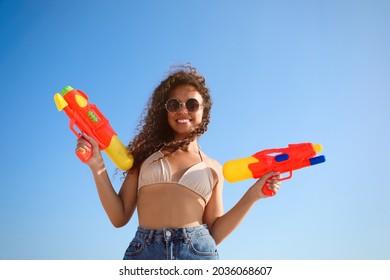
(186, 238)
(150, 236)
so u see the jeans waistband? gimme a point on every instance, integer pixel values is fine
(168, 234)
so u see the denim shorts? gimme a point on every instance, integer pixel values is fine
(192, 243)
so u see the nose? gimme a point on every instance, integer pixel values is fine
(182, 107)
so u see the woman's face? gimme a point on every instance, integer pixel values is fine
(185, 120)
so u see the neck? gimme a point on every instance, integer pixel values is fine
(192, 147)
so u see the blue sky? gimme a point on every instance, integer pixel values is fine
(280, 72)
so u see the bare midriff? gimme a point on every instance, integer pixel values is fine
(169, 205)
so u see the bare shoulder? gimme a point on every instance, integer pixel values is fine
(213, 164)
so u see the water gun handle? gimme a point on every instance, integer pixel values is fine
(267, 191)
(82, 154)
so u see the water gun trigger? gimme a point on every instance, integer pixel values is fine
(288, 177)
(267, 191)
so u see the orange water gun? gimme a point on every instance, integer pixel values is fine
(282, 160)
(88, 118)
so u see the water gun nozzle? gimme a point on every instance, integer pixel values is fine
(60, 102)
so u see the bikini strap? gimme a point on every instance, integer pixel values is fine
(200, 154)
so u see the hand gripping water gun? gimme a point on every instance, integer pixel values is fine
(282, 160)
(91, 121)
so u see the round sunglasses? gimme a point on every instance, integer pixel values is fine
(173, 105)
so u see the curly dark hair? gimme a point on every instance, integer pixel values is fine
(154, 130)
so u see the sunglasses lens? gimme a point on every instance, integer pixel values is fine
(173, 105)
(192, 105)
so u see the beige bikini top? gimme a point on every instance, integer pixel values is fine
(156, 170)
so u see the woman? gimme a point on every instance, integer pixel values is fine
(175, 186)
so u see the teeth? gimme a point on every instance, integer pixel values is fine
(183, 121)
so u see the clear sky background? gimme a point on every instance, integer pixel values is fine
(280, 72)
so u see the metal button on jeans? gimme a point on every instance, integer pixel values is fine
(168, 233)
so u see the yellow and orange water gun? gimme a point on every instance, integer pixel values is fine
(281, 160)
(88, 118)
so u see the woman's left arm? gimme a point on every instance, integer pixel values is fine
(220, 224)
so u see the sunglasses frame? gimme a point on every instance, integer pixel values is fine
(182, 104)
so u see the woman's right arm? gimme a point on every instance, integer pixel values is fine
(120, 206)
